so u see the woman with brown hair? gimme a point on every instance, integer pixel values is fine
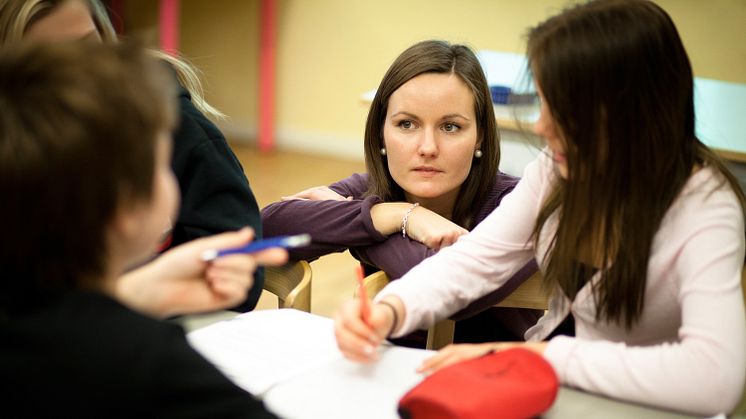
(432, 152)
(637, 226)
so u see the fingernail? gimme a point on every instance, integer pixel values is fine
(369, 350)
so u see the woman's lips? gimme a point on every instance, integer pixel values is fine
(427, 171)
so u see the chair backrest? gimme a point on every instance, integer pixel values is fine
(291, 283)
(530, 294)
(374, 283)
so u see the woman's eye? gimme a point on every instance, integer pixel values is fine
(450, 127)
(406, 124)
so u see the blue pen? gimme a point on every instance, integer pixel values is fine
(282, 241)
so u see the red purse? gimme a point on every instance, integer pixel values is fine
(515, 383)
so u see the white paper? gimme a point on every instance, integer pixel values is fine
(344, 389)
(290, 359)
(261, 348)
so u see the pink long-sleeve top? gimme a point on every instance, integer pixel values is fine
(688, 350)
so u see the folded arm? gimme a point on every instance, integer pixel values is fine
(396, 255)
(334, 225)
(340, 216)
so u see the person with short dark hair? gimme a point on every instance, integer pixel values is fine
(216, 196)
(85, 146)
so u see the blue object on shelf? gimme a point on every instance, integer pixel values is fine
(500, 94)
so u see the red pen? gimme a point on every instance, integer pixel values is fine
(364, 306)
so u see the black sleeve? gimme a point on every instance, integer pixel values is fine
(215, 194)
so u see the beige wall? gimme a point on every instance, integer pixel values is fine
(222, 40)
(714, 34)
(331, 51)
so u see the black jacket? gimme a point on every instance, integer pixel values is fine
(84, 355)
(215, 194)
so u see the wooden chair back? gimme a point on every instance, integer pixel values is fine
(374, 283)
(291, 283)
(528, 295)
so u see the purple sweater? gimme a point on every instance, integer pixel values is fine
(336, 226)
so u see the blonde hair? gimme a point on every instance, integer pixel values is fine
(17, 15)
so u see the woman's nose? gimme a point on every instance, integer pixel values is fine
(428, 143)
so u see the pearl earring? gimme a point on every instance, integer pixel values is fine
(478, 153)
(383, 151)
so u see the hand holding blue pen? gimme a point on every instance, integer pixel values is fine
(253, 247)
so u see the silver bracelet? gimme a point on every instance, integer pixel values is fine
(406, 218)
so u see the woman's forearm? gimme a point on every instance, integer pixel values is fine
(387, 216)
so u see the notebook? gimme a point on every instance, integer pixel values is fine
(290, 359)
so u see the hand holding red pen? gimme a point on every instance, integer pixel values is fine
(362, 295)
(360, 326)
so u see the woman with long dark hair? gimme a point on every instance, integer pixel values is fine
(637, 226)
(432, 152)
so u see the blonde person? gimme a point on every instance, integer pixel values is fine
(215, 193)
(432, 151)
(637, 226)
